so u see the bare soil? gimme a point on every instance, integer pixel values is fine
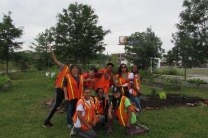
(172, 100)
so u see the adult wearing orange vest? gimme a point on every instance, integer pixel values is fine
(73, 87)
(124, 111)
(64, 69)
(135, 92)
(84, 117)
(105, 78)
(121, 80)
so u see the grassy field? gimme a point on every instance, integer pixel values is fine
(23, 110)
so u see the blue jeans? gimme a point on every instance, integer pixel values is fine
(135, 100)
(71, 110)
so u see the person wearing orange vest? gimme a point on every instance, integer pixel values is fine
(105, 78)
(73, 87)
(121, 80)
(59, 97)
(135, 92)
(122, 108)
(84, 117)
(101, 106)
(89, 78)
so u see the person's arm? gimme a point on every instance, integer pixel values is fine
(129, 116)
(110, 112)
(83, 121)
(55, 60)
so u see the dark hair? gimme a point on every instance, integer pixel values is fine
(79, 70)
(94, 69)
(119, 69)
(109, 63)
(137, 68)
(96, 91)
(85, 88)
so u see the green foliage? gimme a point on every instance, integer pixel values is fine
(4, 82)
(167, 71)
(147, 49)
(153, 92)
(8, 34)
(196, 81)
(191, 39)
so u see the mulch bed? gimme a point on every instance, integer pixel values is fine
(172, 100)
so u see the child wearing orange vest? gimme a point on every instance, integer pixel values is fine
(84, 117)
(122, 108)
(101, 106)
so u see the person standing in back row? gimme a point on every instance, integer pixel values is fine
(59, 97)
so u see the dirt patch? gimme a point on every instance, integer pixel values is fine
(172, 100)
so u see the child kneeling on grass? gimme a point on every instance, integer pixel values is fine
(84, 117)
(122, 108)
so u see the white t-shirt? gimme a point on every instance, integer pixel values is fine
(80, 107)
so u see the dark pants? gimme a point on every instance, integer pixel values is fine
(58, 99)
(71, 110)
(85, 134)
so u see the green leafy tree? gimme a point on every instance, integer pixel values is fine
(191, 39)
(143, 48)
(42, 57)
(77, 36)
(8, 34)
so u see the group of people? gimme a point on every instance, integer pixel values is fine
(85, 112)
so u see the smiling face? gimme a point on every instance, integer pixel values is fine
(87, 94)
(75, 71)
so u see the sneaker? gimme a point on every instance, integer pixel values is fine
(72, 133)
(47, 124)
(69, 126)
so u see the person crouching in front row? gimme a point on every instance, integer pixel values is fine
(84, 117)
(122, 108)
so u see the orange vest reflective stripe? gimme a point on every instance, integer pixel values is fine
(122, 113)
(102, 82)
(136, 84)
(89, 113)
(60, 77)
(73, 90)
(122, 81)
(99, 108)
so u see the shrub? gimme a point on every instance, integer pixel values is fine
(196, 81)
(5, 82)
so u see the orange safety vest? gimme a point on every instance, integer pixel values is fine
(60, 77)
(73, 90)
(122, 81)
(121, 113)
(89, 113)
(99, 108)
(136, 84)
(102, 82)
(89, 84)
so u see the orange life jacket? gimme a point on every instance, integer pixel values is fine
(122, 113)
(99, 108)
(89, 113)
(73, 90)
(60, 77)
(102, 82)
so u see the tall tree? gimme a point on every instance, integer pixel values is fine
(191, 39)
(143, 48)
(40, 46)
(8, 34)
(77, 35)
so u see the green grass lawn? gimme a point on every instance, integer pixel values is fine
(23, 109)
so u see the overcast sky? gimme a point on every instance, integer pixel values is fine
(122, 17)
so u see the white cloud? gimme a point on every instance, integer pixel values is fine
(122, 17)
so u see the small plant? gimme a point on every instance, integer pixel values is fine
(4, 82)
(153, 92)
(162, 95)
(196, 81)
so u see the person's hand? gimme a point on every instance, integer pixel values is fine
(66, 98)
(110, 116)
(94, 123)
(89, 126)
(125, 85)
